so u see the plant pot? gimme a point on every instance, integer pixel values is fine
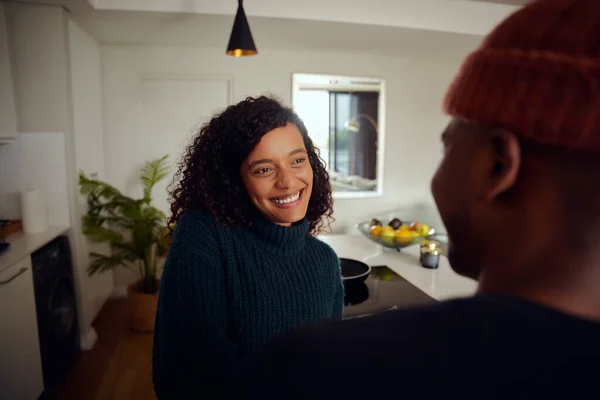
(142, 308)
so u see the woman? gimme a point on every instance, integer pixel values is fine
(244, 266)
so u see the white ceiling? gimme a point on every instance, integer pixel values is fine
(208, 23)
(118, 27)
(459, 16)
(475, 17)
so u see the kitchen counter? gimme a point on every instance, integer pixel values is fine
(440, 284)
(23, 245)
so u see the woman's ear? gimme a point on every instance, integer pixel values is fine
(505, 152)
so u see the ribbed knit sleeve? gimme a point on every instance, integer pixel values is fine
(327, 256)
(192, 355)
(338, 302)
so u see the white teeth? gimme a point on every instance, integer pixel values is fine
(287, 199)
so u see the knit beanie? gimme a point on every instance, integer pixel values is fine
(537, 74)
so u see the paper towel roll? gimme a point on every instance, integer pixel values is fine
(34, 211)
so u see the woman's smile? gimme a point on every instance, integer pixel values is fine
(289, 201)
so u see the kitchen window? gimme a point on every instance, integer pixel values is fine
(343, 117)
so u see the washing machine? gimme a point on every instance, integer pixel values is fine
(56, 309)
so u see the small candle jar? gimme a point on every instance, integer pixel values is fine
(430, 254)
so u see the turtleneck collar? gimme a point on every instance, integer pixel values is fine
(282, 240)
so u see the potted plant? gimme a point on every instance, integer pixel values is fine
(137, 234)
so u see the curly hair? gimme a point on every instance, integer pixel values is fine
(208, 177)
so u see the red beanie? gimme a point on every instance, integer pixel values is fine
(538, 74)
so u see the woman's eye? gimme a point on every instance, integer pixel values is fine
(299, 160)
(262, 170)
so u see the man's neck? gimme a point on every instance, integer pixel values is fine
(567, 282)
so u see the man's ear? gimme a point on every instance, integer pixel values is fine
(505, 154)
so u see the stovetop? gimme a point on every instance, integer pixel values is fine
(381, 291)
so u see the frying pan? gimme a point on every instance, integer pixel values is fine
(354, 271)
(354, 274)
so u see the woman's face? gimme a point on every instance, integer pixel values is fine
(278, 176)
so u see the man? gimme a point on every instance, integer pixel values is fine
(519, 192)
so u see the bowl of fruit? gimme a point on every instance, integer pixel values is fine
(395, 233)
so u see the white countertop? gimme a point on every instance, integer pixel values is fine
(22, 244)
(441, 283)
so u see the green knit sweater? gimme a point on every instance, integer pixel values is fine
(227, 291)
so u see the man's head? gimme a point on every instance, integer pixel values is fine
(521, 170)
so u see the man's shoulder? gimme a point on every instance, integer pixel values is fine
(454, 329)
(395, 328)
(398, 323)
(432, 326)
(377, 349)
(428, 350)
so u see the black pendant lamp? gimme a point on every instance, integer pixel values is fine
(240, 42)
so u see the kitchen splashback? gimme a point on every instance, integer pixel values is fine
(34, 161)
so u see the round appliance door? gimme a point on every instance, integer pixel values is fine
(62, 307)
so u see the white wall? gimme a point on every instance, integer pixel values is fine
(8, 114)
(35, 161)
(88, 130)
(40, 67)
(40, 56)
(415, 88)
(86, 89)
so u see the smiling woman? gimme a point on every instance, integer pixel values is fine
(244, 266)
(279, 181)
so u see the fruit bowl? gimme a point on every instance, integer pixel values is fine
(395, 233)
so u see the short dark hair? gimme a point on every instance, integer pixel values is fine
(208, 177)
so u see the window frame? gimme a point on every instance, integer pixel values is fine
(308, 81)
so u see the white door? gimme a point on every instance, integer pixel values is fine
(20, 359)
(173, 108)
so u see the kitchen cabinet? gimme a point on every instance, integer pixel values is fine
(21, 372)
(8, 112)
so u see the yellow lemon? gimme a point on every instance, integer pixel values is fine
(404, 237)
(388, 231)
(375, 230)
(423, 230)
(388, 241)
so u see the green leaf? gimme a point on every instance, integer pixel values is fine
(134, 229)
(89, 186)
(103, 263)
(163, 241)
(97, 233)
(153, 172)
